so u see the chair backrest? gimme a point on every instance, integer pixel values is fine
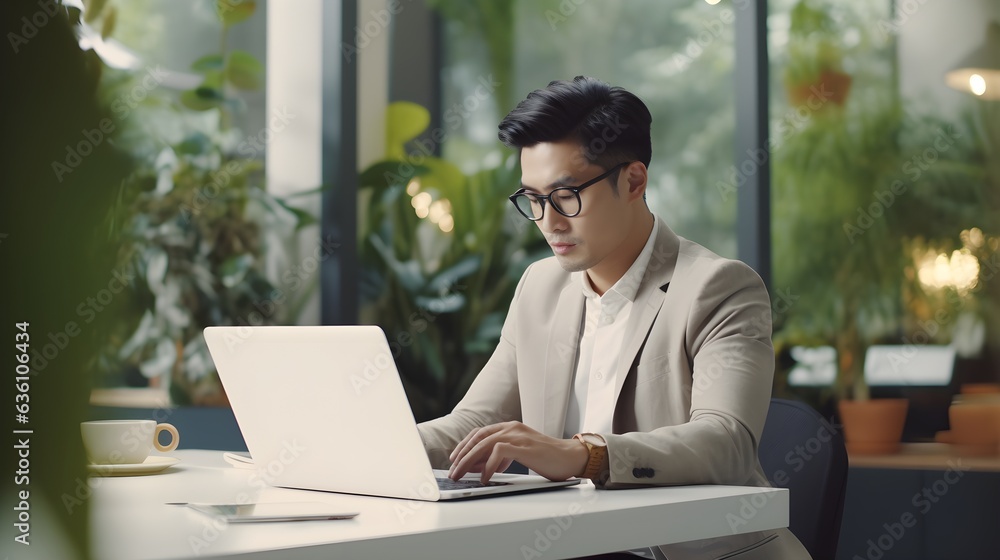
(801, 451)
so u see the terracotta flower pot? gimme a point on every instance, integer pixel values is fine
(980, 388)
(975, 424)
(873, 427)
(832, 86)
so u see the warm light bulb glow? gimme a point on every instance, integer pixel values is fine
(712, 2)
(440, 214)
(421, 200)
(977, 84)
(447, 223)
(973, 237)
(437, 211)
(960, 270)
(413, 187)
(422, 212)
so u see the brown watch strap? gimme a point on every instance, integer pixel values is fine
(596, 460)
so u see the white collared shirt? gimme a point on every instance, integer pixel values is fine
(591, 406)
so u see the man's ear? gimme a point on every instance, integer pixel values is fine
(636, 175)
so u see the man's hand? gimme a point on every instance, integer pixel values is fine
(492, 448)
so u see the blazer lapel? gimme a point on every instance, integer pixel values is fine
(648, 300)
(561, 355)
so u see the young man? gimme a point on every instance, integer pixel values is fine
(633, 357)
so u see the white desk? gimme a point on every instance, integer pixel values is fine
(130, 521)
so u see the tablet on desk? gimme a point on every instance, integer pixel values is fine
(277, 511)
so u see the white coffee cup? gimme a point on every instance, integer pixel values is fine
(124, 442)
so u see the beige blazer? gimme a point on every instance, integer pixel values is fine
(693, 381)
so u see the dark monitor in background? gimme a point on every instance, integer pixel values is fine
(923, 374)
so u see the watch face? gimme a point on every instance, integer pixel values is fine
(594, 439)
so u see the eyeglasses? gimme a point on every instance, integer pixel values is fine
(565, 200)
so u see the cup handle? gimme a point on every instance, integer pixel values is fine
(175, 437)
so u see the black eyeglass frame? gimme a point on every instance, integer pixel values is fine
(543, 198)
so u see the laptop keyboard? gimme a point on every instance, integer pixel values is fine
(449, 484)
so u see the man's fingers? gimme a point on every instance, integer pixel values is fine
(457, 452)
(501, 457)
(470, 442)
(466, 461)
(476, 455)
(463, 448)
(491, 449)
(477, 447)
(470, 438)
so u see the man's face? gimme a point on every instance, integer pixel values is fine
(604, 221)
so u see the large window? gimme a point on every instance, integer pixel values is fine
(883, 177)
(201, 240)
(884, 185)
(677, 56)
(441, 248)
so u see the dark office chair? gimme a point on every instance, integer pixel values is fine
(811, 453)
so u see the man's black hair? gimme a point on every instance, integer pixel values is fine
(610, 123)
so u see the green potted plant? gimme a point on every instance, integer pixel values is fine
(195, 223)
(441, 254)
(814, 65)
(852, 188)
(819, 182)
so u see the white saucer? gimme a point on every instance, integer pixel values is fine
(151, 465)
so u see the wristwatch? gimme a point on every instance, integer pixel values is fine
(598, 449)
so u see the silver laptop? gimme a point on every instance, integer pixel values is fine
(323, 408)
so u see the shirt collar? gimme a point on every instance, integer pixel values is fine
(628, 285)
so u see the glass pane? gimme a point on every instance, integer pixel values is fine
(884, 190)
(194, 223)
(675, 55)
